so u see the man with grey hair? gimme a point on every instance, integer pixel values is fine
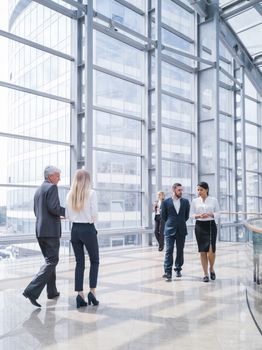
(47, 210)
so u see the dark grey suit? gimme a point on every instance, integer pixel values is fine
(48, 232)
(175, 231)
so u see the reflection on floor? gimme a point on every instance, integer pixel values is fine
(138, 309)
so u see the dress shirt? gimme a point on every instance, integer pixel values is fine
(176, 202)
(88, 214)
(209, 205)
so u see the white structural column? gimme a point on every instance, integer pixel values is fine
(146, 126)
(88, 156)
(208, 99)
(76, 95)
(158, 96)
(243, 141)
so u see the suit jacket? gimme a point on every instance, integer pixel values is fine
(175, 223)
(48, 210)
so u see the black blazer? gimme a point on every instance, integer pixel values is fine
(175, 223)
(48, 210)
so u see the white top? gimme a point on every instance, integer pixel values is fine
(176, 202)
(88, 214)
(209, 205)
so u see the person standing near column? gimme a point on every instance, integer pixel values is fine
(175, 213)
(81, 210)
(159, 223)
(205, 210)
(48, 211)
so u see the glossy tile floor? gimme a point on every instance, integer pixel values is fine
(138, 310)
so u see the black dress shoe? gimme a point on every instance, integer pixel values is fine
(212, 276)
(160, 249)
(167, 276)
(178, 274)
(205, 279)
(53, 296)
(31, 299)
(80, 301)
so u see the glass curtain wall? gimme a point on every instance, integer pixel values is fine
(149, 82)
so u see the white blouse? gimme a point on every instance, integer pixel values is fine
(89, 213)
(210, 205)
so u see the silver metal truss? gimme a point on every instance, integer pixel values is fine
(228, 13)
(229, 37)
(240, 54)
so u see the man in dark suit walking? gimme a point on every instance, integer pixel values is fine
(47, 210)
(175, 213)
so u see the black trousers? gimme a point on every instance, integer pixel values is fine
(85, 235)
(47, 273)
(159, 230)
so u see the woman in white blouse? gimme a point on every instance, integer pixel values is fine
(81, 205)
(205, 210)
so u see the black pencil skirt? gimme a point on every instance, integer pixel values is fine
(206, 234)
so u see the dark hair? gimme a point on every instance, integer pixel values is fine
(176, 185)
(204, 185)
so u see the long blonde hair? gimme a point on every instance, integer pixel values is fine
(80, 189)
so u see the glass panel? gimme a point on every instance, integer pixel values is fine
(119, 209)
(226, 127)
(117, 94)
(252, 184)
(251, 135)
(114, 132)
(226, 182)
(181, 172)
(249, 88)
(251, 110)
(176, 145)
(226, 153)
(225, 100)
(117, 56)
(121, 14)
(177, 81)
(177, 113)
(178, 18)
(116, 171)
(252, 156)
(36, 116)
(175, 41)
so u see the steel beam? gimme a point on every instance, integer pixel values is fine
(58, 8)
(35, 45)
(200, 6)
(239, 9)
(34, 92)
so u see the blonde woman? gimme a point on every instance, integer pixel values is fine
(159, 223)
(82, 212)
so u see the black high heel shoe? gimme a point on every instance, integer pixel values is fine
(80, 301)
(92, 299)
